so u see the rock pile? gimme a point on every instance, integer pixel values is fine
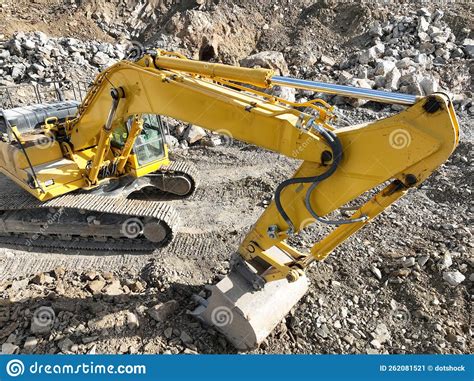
(123, 19)
(409, 54)
(92, 311)
(35, 57)
(414, 51)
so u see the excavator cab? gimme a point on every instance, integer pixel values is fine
(142, 139)
(150, 145)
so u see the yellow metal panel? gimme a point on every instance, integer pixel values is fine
(151, 167)
(50, 192)
(38, 154)
(243, 116)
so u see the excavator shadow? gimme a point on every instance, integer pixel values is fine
(153, 194)
(126, 323)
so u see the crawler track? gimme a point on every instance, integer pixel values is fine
(86, 221)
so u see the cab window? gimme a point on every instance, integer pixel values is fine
(149, 146)
(119, 136)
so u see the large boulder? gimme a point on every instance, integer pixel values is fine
(287, 93)
(101, 58)
(194, 133)
(268, 59)
(18, 70)
(161, 312)
(383, 67)
(429, 85)
(468, 45)
(410, 83)
(392, 79)
(4, 54)
(370, 55)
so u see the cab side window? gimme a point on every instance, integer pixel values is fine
(150, 144)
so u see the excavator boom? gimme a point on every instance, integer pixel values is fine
(338, 166)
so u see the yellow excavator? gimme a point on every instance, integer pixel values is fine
(90, 165)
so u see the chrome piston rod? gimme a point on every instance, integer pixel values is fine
(347, 91)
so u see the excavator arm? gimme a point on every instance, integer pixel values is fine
(338, 165)
(383, 159)
(402, 150)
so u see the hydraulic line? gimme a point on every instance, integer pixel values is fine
(349, 91)
(335, 144)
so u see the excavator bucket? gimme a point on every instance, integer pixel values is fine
(244, 315)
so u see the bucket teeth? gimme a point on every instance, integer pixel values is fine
(246, 316)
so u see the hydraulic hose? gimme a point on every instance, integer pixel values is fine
(335, 144)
